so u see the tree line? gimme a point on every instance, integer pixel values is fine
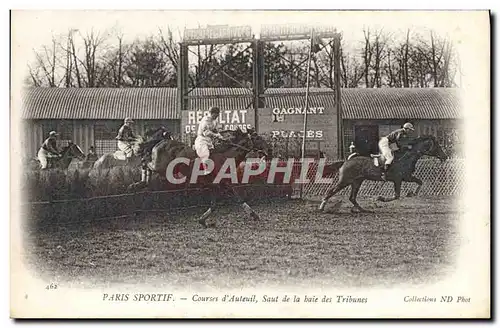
(382, 59)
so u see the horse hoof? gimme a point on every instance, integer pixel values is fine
(255, 216)
(381, 199)
(203, 223)
(410, 194)
(359, 210)
(337, 206)
(322, 206)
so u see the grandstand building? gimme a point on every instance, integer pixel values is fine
(92, 116)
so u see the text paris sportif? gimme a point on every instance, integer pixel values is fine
(232, 298)
(293, 298)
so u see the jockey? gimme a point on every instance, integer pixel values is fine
(352, 151)
(48, 149)
(391, 138)
(160, 134)
(125, 138)
(91, 156)
(206, 132)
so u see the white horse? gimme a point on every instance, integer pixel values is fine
(118, 158)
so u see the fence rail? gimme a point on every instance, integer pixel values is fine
(439, 179)
(70, 196)
(60, 212)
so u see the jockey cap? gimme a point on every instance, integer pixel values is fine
(53, 134)
(409, 126)
(214, 110)
(129, 120)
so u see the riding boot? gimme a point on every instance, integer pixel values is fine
(384, 172)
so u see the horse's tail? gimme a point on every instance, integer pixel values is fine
(332, 168)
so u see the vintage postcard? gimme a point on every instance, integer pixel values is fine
(250, 164)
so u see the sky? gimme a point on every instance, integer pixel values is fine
(33, 29)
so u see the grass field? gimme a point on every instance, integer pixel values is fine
(408, 241)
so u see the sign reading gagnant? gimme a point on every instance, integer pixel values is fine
(298, 111)
(228, 119)
(288, 122)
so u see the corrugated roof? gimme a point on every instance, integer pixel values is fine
(234, 98)
(99, 103)
(401, 103)
(161, 103)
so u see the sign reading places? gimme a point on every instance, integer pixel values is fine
(288, 123)
(310, 134)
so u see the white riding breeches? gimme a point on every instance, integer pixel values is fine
(43, 157)
(126, 148)
(385, 149)
(202, 147)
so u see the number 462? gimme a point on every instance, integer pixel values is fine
(51, 286)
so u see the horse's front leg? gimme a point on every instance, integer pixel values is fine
(248, 210)
(397, 192)
(203, 220)
(331, 192)
(419, 185)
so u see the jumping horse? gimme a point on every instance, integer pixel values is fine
(360, 168)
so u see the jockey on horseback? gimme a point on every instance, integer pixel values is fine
(48, 150)
(207, 130)
(153, 139)
(125, 138)
(391, 138)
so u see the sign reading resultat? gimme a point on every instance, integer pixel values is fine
(228, 119)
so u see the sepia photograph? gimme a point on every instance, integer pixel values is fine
(250, 164)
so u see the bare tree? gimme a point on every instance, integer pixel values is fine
(92, 41)
(438, 54)
(352, 71)
(367, 57)
(379, 54)
(404, 61)
(169, 47)
(44, 73)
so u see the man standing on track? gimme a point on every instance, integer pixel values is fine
(392, 138)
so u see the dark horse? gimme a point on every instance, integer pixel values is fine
(141, 147)
(358, 169)
(236, 145)
(68, 153)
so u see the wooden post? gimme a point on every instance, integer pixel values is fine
(182, 77)
(258, 84)
(306, 105)
(338, 97)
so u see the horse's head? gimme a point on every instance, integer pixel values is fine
(159, 133)
(260, 144)
(428, 145)
(136, 144)
(75, 151)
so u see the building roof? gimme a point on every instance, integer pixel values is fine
(161, 103)
(99, 103)
(401, 103)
